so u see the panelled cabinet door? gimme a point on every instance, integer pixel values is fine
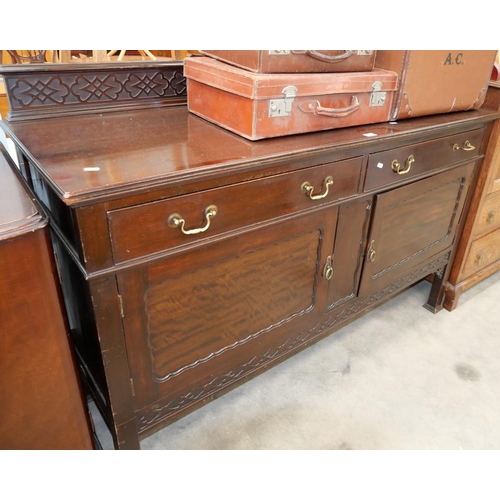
(411, 224)
(203, 318)
(348, 253)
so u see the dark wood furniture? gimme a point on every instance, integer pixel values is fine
(41, 398)
(478, 254)
(44, 90)
(192, 259)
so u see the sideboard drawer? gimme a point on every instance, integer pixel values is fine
(153, 227)
(489, 217)
(483, 252)
(395, 165)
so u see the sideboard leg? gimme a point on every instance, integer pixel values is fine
(436, 295)
(125, 436)
(123, 426)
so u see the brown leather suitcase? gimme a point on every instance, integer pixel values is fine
(437, 81)
(259, 105)
(296, 61)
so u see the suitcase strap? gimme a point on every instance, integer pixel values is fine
(320, 56)
(314, 107)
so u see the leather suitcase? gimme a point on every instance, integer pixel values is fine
(296, 61)
(259, 105)
(437, 81)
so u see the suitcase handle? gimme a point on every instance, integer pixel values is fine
(316, 108)
(316, 54)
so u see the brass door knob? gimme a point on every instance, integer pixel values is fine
(328, 269)
(371, 252)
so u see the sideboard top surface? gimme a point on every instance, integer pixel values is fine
(95, 156)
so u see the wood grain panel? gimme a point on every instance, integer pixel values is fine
(413, 223)
(239, 298)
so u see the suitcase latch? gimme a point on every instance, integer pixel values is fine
(377, 97)
(283, 107)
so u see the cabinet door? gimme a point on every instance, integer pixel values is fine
(206, 317)
(411, 224)
(348, 253)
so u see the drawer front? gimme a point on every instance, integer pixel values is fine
(489, 216)
(397, 165)
(483, 252)
(154, 227)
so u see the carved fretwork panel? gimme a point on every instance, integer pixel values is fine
(77, 88)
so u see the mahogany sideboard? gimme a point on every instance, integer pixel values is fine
(192, 259)
(478, 251)
(42, 404)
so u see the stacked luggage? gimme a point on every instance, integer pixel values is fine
(269, 93)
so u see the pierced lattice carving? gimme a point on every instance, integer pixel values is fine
(37, 94)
